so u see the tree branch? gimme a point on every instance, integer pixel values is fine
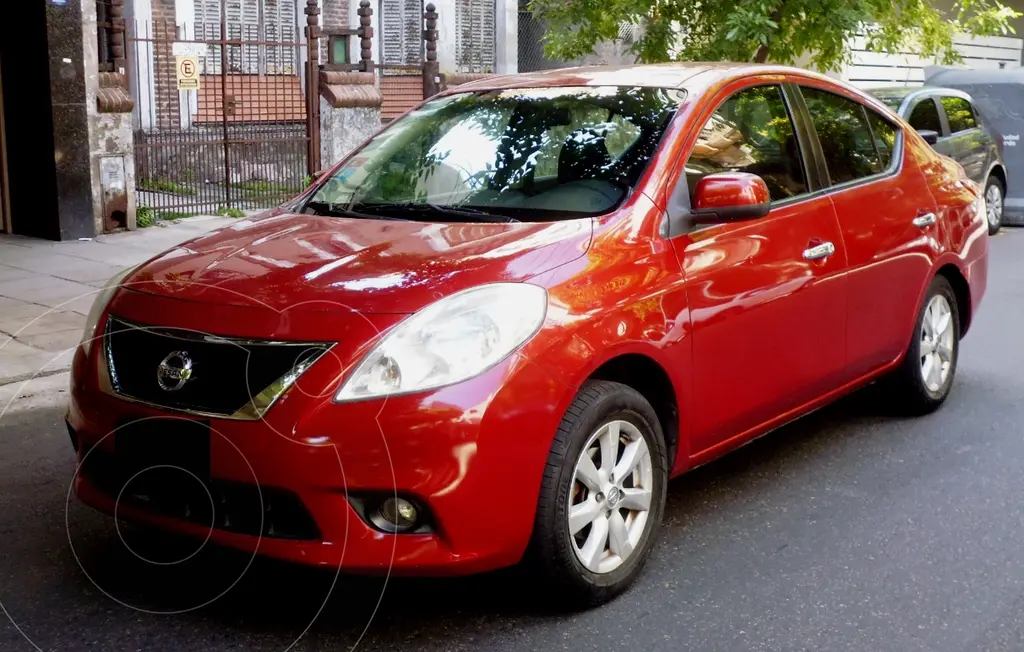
(763, 50)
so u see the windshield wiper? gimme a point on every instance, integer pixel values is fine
(472, 214)
(330, 209)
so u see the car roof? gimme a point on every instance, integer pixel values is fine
(938, 75)
(659, 75)
(695, 77)
(904, 96)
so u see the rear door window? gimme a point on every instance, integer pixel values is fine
(751, 132)
(925, 116)
(885, 137)
(959, 114)
(847, 139)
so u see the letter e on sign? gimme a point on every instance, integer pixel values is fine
(188, 73)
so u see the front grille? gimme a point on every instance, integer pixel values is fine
(226, 377)
(230, 506)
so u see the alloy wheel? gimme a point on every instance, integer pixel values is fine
(610, 499)
(937, 340)
(994, 204)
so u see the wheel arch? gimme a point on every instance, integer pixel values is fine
(647, 376)
(999, 172)
(962, 290)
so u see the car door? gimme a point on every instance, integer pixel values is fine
(767, 296)
(967, 142)
(886, 215)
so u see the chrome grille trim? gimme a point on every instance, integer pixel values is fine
(253, 410)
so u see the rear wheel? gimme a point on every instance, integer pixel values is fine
(602, 496)
(994, 194)
(923, 381)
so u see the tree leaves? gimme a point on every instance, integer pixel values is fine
(818, 32)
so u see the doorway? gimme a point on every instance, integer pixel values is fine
(5, 203)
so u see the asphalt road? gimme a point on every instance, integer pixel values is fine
(848, 530)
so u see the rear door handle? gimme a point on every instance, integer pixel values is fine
(922, 221)
(817, 252)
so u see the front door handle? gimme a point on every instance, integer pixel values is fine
(922, 221)
(817, 252)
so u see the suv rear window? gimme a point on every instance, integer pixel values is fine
(959, 114)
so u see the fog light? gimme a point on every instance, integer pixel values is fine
(397, 515)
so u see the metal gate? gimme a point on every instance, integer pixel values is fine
(222, 122)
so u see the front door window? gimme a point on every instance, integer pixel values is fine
(751, 132)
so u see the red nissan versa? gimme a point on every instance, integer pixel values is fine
(495, 330)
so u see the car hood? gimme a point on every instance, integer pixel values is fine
(292, 261)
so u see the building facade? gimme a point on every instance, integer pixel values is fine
(98, 132)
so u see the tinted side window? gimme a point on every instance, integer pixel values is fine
(925, 116)
(751, 132)
(842, 127)
(959, 114)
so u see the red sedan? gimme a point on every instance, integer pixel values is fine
(494, 331)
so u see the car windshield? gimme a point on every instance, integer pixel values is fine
(534, 154)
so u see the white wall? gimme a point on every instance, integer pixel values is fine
(446, 56)
(506, 31)
(907, 68)
(138, 19)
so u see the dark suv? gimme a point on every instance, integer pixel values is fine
(949, 120)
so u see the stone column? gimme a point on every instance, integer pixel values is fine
(349, 112)
(109, 120)
(73, 60)
(113, 153)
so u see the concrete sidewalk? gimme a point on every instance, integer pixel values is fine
(47, 289)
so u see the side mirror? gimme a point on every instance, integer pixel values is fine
(930, 137)
(729, 197)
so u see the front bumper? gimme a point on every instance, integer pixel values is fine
(472, 454)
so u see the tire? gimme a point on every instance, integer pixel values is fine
(995, 196)
(559, 554)
(911, 392)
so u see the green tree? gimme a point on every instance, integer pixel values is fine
(778, 31)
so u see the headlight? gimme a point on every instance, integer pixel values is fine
(99, 304)
(452, 340)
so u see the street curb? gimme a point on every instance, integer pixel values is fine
(21, 378)
(41, 392)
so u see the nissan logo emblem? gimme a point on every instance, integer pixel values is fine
(174, 371)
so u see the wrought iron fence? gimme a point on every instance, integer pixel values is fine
(240, 140)
(531, 45)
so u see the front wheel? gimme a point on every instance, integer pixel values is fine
(602, 496)
(994, 195)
